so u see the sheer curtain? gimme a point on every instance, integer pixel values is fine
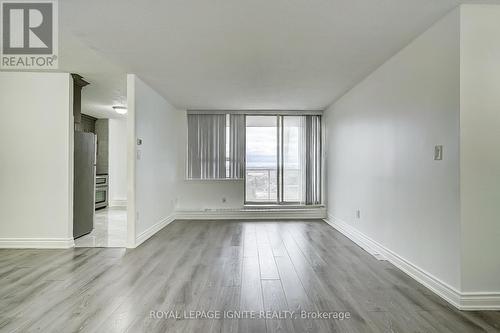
(206, 146)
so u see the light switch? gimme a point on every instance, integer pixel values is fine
(139, 141)
(438, 153)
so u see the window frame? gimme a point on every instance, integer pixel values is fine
(277, 113)
(279, 165)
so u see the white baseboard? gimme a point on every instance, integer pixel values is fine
(252, 214)
(462, 301)
(480, 301)
(118, 203)
(146, 234)
(357, 237)
(36, 243)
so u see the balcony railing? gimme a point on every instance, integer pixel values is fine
(262, 185)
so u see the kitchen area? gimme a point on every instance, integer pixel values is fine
(100, 175)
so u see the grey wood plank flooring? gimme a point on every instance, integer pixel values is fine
(224, 266)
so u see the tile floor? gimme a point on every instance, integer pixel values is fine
(110, 229)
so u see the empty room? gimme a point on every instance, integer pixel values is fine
(250, 166)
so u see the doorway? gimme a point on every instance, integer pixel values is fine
(109, 222)
(100, 169)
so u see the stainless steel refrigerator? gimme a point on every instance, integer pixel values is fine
(84, 182)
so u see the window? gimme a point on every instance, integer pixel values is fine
(261, 182)
(283, 159)
(279, 156)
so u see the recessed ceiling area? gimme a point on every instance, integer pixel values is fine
(258, 54)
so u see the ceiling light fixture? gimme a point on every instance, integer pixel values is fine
(120, 109)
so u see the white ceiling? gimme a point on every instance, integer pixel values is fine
(247, 54)
(108, 82)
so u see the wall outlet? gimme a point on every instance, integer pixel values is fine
(358, 214)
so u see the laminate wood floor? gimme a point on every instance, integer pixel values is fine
(265, 267)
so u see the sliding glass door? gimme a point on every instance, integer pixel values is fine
(292, 159)
(261, 181)
(275, 160)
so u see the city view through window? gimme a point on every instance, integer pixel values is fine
(262, 156)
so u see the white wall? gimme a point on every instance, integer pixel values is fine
(480, 147)
(196, 195)
(154, 163)
(201, 195)
(117, 162)
(36, 169)
(380, 144)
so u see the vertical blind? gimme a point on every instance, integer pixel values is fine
(236, 162)
(313, 159)
(216, 146)
(206, 146)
